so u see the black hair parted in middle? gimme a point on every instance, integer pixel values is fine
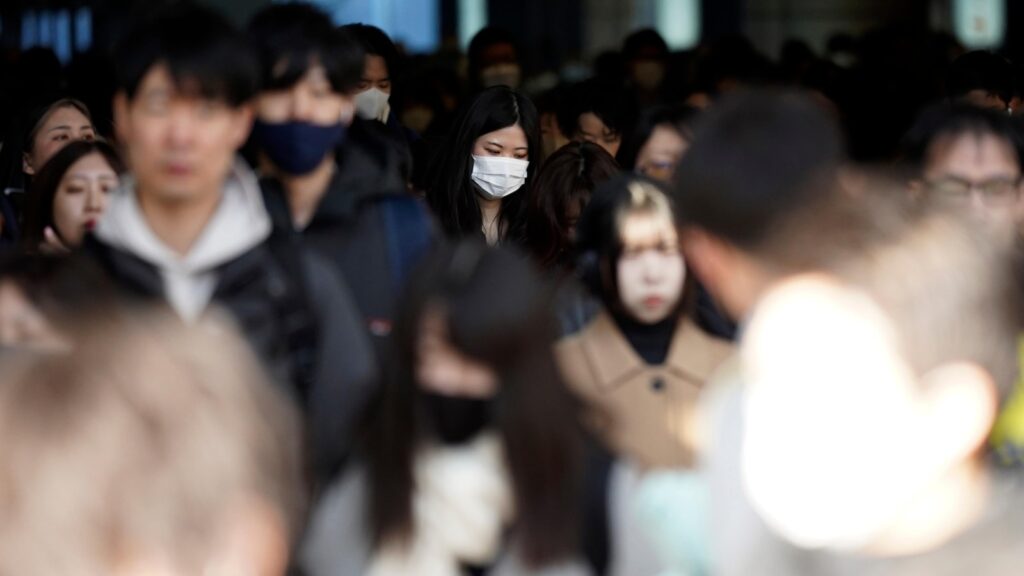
(204, 54)
(291, 38)
(450, 188)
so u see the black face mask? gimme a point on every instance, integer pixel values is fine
(456, 419)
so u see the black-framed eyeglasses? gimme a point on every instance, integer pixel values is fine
(994, 192)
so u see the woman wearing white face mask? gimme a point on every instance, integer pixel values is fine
(477, 184)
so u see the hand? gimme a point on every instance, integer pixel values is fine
(52, 244)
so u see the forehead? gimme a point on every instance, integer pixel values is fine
(975, 155)
(508, 137)
(590, 122)
(65, 116)
(90, 163)
(640, 228)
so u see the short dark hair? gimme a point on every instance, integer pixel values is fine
(610, 101)
(376, 42)
(980, 70)
(756, 155)
(644, 43)
(679, 117)
(39, 205)
(944, 120)
(300, 35)
(204, 54)
(569, 176)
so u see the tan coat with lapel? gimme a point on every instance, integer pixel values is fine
(642, 411)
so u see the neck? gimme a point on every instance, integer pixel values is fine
(179, 223)
(305, 191)
(946, 508)
(489, 212)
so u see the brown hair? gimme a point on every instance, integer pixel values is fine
(140, 441)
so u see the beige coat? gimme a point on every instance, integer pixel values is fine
(643, 412)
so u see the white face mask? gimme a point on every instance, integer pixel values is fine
(371, 104)
(497, 177)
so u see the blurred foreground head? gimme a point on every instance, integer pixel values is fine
(757, 156)
(147, 449)
(874, 383)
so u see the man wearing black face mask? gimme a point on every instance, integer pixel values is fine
(329, 176)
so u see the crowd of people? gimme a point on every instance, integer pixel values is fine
(304, 304)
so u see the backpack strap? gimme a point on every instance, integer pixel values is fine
(409, 233)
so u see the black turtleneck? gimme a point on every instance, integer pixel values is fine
(651, 341)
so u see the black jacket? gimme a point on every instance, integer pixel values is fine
(301, 322)
(367, 225)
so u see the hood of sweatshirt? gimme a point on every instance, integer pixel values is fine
(239, 224)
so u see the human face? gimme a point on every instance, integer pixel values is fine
(650, 270)
(662, 152)
(442, 368)
(58, 129)
(81, 197)
(508, 142)
(312, 99)
(375, 75)
(180, 147)
(979, 173)
(593, 129)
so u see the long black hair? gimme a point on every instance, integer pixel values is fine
(450, 189)
(497, 311)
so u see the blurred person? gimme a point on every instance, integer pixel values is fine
(658, 141)
(69, 195)
(372, 232)
(474, 456)
(46, 300)
(548, 105)
(493, 60)
(190, 229)
(759, 160)
(981, 79)
(600, 112)
(969, 159)
(639, 365)
(151, 448)
(642, 361)
(915, 331)
(646, 54)
(379, 70)
(564, 185)
(479, 183)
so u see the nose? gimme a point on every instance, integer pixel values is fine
(95, 200)
(651, 266)
(182, 128)
(302, 107)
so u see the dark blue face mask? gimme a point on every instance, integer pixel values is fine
(297, 147)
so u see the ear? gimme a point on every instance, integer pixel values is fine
(26, 164)
(962, 405)
(121, 121)
(705, 257)
(242, 124)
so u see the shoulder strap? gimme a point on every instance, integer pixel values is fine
(409, 234)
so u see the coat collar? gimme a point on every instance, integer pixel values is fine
(692, 355)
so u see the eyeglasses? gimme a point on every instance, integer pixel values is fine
(996, 192)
